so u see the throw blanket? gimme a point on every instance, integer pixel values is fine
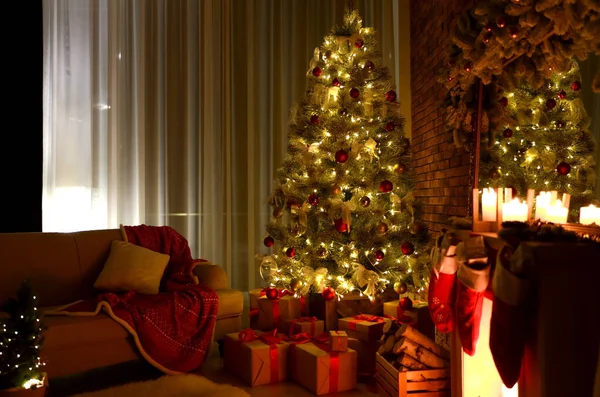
(172, 329)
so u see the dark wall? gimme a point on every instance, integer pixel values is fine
(21, 133)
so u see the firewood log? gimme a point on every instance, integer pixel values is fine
(409, 362)
(390, 327)
(413, 334)
(388, 345)
(419, 353)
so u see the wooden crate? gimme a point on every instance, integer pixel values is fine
(423, 383)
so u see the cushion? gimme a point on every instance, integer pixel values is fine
(130, 267)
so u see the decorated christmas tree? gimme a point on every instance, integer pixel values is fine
(20, 342)
(543, 142)
(344, 217)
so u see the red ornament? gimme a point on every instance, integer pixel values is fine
(487, 37)
(390, 96)
(313, 199)
(488, 27)
(269, 241)
(290, 252)
(501, 22)
(563, 168)
(389, 127)
(514, 32)
(405, 303)
(551, 103)
(386, 186)
(335, 82)
(343, 111)
(507, 133)
(341, 156)
(317, 72)
(354, 93)
(562, 94)
(576, 85)
(359, 43)
(407, 248)
(328, 294)
(271, 293)
(370, 65)
(341, 226)
(503, 101)
(314, 119)
(379, 255)
(468, 67)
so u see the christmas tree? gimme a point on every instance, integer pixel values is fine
(344, 217)
(20, 341)
(542, 141)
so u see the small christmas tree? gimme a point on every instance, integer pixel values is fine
(20, 341)
(543, 142)
(346, 183)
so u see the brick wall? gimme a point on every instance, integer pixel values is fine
(442, 170)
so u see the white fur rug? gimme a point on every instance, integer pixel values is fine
(171, 386)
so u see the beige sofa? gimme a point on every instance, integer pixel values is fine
(62, 268)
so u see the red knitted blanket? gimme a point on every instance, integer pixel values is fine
(172, 329)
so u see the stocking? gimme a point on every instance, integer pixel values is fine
(509, 319)
(473, 277)
(442, 284)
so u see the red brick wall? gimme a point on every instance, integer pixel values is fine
(442, 170)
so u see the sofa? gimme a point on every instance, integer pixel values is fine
(62, 268)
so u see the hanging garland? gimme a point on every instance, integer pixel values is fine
(503, 43)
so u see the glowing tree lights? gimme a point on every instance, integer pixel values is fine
(351, 222)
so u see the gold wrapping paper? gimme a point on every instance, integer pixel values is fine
(311, 368)
(251, 361)
(419, 313)
(364, 330)
(303, 326)
(338, 341)
(366, 355)
(289, 309)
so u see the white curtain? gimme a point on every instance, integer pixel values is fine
(174, 112)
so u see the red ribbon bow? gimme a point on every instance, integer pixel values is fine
(310, 320)
(280, 292)
(364, 317)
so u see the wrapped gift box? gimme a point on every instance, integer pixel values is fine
(338, 341)
(419, 314)
(254, 295)
(366, 354)
(322, 371)
(257, 358)
(308, 325)
(272, 313)
(363, 327)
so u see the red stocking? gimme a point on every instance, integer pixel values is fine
(473, 277)
(442, 285)
(509, 319)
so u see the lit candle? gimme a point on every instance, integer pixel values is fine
(514, 210)
(489, 201)
(557, 213)
(542, 201)
(589, 215)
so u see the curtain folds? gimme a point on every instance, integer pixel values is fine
(174, 112)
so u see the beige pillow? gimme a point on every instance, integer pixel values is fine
(130, 267)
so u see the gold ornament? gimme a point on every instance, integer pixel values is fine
(322, 252)
(295, 284)
(400, 288)
(365, 201)
(382, 228)
(335, 190)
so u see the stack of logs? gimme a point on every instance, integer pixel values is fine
(408, 349)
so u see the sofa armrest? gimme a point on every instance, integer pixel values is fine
(211, 275)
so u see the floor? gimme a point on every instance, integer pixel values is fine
(212, 369)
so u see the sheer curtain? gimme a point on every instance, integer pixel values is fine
(174, 112)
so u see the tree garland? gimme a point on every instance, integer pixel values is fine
(504, 43)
